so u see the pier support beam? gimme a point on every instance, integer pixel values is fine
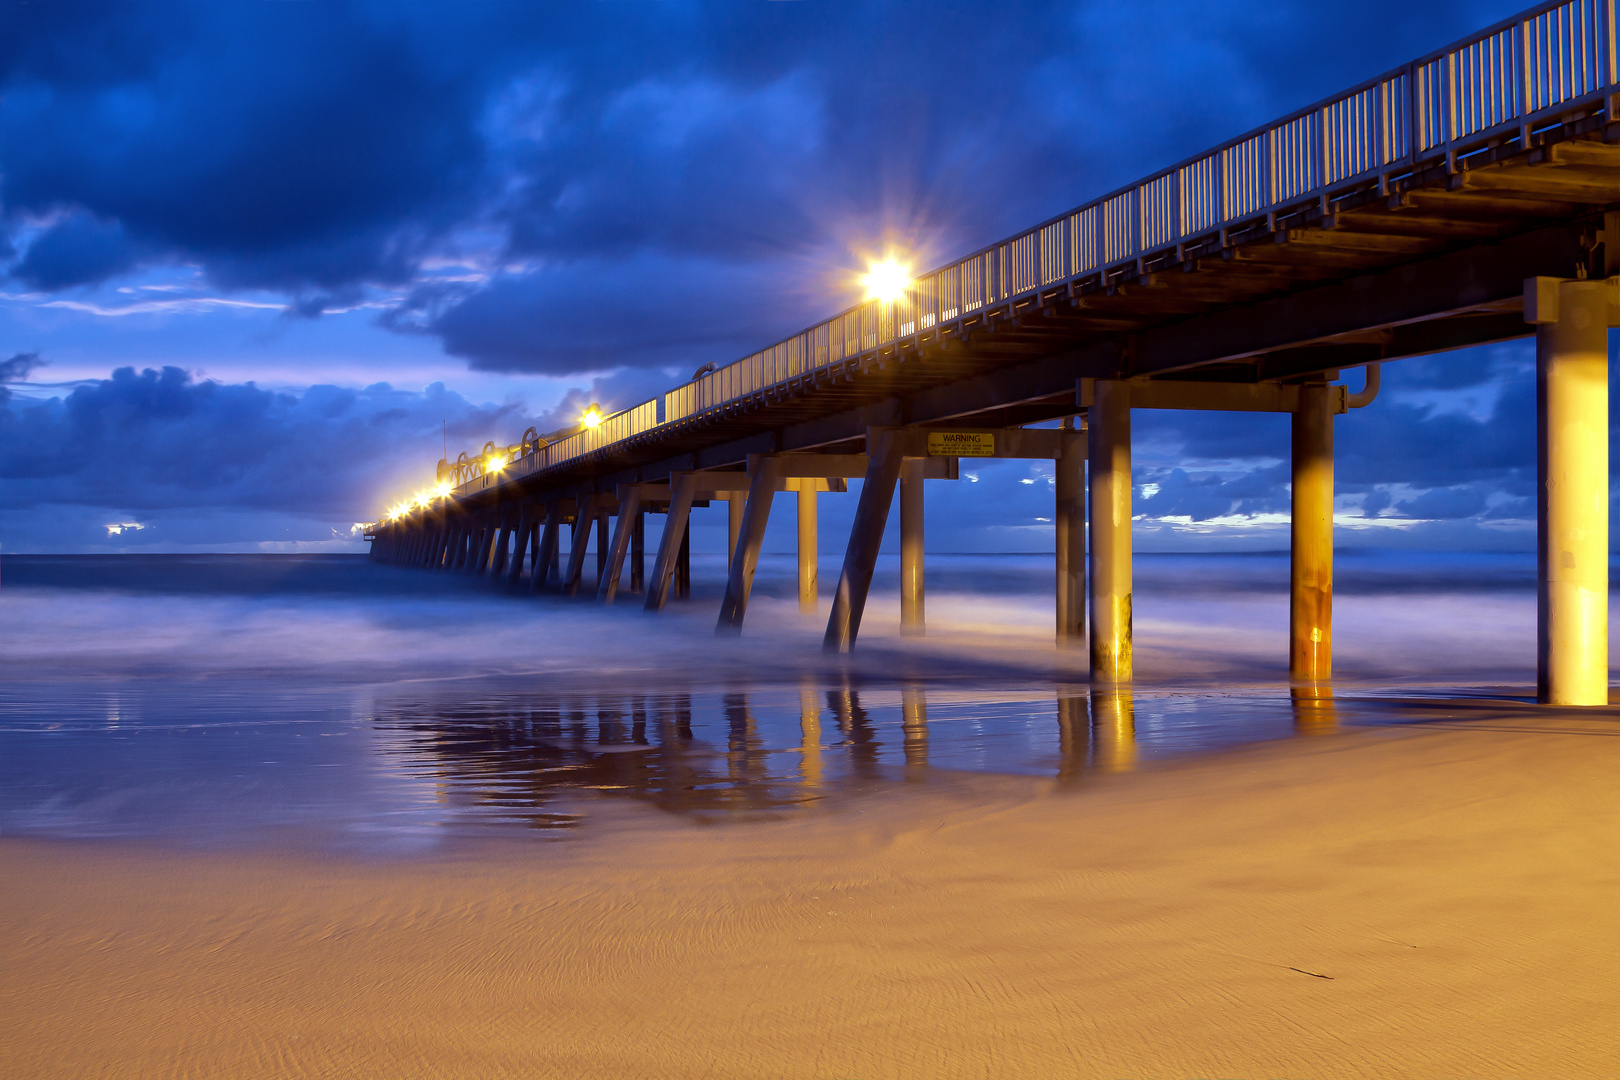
(629, 512)
(871, 515)
(1069, 521)
(683, 566)
(523, 544)
(478, 557)
(1109, 420)
(672, 545)
(1572, 492)
(545, 558)
(809, 586)
(579, 539)
(734, 518)
(911, 548)
(638, 552)
(503, 541)
(601, 544)
(750, 538)
(1310, 609)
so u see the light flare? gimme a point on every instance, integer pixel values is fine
(592, 416)
(887, 280)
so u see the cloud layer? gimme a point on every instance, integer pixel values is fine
(612, 195)
(563, 189)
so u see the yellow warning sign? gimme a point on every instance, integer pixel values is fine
(961, 444)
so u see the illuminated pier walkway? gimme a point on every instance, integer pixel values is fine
(1470, 196)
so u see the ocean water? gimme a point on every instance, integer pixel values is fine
(327, 701)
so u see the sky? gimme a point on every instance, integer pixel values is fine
(261, 263)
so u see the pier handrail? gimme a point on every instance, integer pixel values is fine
(1497, 86)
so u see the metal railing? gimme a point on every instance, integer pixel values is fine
(1496, 86)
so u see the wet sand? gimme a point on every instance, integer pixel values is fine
(1434, 900)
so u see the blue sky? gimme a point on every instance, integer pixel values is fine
(253, 256)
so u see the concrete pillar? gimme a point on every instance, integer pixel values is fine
(809, 586)
(478, 546)
(579, 537)
(683, 486)
(1572, 494)
(545, 556)
(638, 552)
(734, 516)
(1069, 520)
(683, 565)
(745, 557)
(860, 558)
(1109, 421)
(503, 540)
(629, 511)
(1310, 609)
(911, 548)
(601, 544)
(522, 545)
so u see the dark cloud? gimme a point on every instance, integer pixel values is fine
(320, 149)
(79, 250)
(16, 370)
(159, 440)
(643, 312)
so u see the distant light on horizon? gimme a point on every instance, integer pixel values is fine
(887, 280)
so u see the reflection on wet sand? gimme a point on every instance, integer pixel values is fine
(809, 738)
(1113, 729)
(914, 721)
(530, 761)
(1314, 710)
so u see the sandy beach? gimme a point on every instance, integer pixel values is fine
(1435, 900)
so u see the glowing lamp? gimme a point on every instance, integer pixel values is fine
(886, 280)
(592, 417)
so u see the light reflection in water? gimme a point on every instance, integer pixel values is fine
(418, 764)
(1314, 710)
(769, 749)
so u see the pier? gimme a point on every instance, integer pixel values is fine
(1468, 197)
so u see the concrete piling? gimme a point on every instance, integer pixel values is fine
(1110, 462)
(1572, 492)
(911, 548)
(860, 559)
(750, 540)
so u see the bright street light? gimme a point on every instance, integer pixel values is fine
(886, 280)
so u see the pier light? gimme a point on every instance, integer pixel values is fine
(593, 416)
(494, 464)
(887, 280)
(442, 491)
